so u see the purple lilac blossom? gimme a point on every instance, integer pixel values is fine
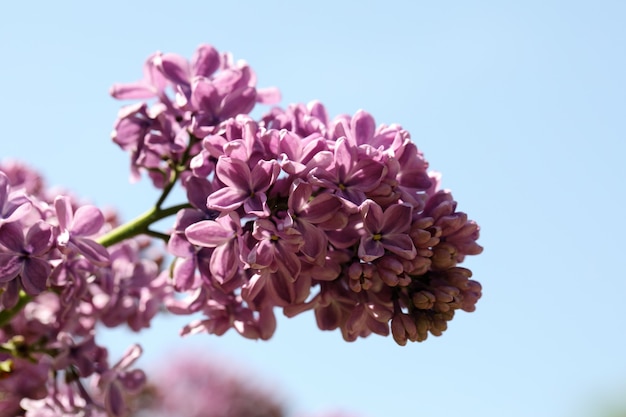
(189, 384)
(296, 210)
(192, 99)
(70, 284)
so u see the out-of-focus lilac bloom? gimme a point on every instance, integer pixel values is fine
(75, 230)
(120, 379)
(13, 206)
(23, 177)
(189, 384)
(24, 255)
(131, 291)
(20, 378)
(64, 402)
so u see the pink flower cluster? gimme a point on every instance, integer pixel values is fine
(190, 384)
(295, 210)
(56, 284)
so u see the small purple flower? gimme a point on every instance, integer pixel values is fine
(308, 213)
(386, 230)
(351, 174)
(118, 380)
(13, 205)
(243, 186)
(24, 257)
(223, 234)
(276, 249)
(75, 229)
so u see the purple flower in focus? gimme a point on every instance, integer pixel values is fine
(75, 229)
(309, 215)
(351, 174)
(243, 186)
(223, 234)
(386, 230)
(276, 249)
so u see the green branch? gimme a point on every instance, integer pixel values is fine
(139, 225)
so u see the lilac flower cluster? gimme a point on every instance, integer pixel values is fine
(294, 210)
(56, 284)
(190, 384)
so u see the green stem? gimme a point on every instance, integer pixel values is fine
(7, 315)
(139, 225)
(167, 189)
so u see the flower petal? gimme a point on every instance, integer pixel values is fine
(234, 173)
(225, 262)
(400, 244)
(257, 205)
(64, 211)
(91, 250)
(173, 67)
(363, 127)
(87, 221)
(226, 199)
(35, 275)
(372, 216)
(397, 219)
(10, 267)
(321, 208)
(208, 233)
(370, 249)
(12, 237)
(38, 238)
(205, 61)
(132, 91)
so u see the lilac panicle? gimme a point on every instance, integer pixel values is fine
(346, 221)
(295, 210)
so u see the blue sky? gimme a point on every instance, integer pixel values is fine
(519, 104)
